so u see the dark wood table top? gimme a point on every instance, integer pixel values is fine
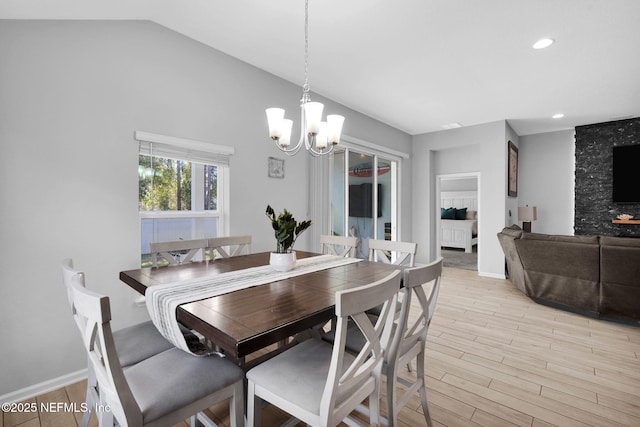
(247, 320)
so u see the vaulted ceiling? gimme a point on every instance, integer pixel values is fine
(418, 65)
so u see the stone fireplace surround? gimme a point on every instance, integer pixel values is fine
(594, 208)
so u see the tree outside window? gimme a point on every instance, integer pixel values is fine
(166, 185)
(177, 200)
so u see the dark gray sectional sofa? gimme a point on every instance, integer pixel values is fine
(594, 275)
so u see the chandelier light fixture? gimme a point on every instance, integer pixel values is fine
(318, 137)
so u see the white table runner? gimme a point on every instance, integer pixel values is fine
(163, 300)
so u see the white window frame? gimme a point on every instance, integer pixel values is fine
(195, 152)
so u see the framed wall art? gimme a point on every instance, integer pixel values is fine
(512, 170)
(275, 167)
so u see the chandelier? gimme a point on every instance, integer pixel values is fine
(318, 137)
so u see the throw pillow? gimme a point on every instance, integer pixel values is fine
(449, 213)
(461, 213)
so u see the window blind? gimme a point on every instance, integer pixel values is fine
(183, 149)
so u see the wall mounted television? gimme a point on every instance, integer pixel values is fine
(626, 165)
(361, 200)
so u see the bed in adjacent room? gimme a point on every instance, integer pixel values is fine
(459, 220)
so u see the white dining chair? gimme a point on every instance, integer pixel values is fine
(159, 391)
(134, 343)
(392, 252)
(178, 251)
(229, 246)
(338, 245)
(420, 284)
(410, 339)
(320, 383)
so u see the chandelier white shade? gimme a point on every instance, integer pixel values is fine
(318, 137)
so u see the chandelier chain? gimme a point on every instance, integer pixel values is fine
(305, 87)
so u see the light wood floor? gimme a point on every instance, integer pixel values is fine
(494, 358)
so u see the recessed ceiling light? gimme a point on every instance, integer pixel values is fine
(557, 116)
(542, 43)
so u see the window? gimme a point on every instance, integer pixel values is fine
(181, 190)
(169, 185)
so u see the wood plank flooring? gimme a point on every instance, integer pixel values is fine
(494, 358)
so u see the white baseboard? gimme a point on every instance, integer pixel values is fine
(493, 275)
(43, 387)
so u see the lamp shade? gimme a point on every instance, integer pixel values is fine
(334, 123)
(285, 138)
(527, 213)
(321, 137)
(274, 119)
(313, 116)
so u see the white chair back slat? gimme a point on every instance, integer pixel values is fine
(229, 246)
(338, 245)
(177, 251)
(391, 252)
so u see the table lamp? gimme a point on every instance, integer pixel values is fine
(526, 214)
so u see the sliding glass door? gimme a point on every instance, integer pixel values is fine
(364, 197)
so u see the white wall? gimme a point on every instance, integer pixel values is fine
(459, 184)
(73, 93)
(479, 149)
(547, 178)
(455, 160)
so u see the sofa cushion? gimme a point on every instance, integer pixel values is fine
(620, 276)
(620, 241)
(560, 271)
(561, 238)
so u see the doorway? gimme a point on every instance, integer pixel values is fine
(458, 239)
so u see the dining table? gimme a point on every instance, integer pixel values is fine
(245, 321)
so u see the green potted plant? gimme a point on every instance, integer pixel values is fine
(286, 231)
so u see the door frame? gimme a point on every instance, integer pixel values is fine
(450, 176)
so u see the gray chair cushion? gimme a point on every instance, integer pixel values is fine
(299, 374)
(355, 338)
(173, 379)
(139, 342)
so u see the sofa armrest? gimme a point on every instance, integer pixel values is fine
(514, 266)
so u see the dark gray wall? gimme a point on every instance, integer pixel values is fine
(594, 206)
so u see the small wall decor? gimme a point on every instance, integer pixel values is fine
(275, 167)
(512, 173)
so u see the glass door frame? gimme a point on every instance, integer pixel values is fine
(377, 153)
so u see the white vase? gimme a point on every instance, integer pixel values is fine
(282, 261)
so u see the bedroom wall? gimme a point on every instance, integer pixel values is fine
(459, 184)
(547, 164)
(73, 93)
(431, 156)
